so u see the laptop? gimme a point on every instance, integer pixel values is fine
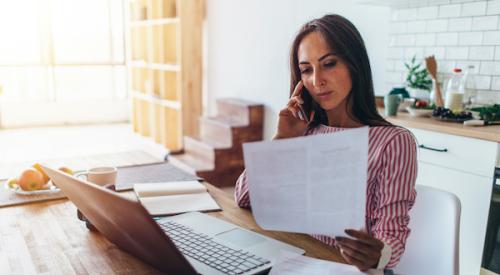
(190, 243)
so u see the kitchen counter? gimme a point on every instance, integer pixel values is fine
(490, 133)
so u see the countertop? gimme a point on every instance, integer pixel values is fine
(490, 133)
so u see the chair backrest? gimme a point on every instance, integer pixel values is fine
(432, 247)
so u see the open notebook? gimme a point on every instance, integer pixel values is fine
(175, 197)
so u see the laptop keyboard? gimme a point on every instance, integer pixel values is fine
(204, 249)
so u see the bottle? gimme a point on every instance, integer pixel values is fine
(470, 88)
(455, 91)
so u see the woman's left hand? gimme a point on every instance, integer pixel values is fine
(363, 251)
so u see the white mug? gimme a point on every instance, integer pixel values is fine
(100, 175)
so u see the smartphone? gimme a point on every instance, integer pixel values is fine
(306, 107)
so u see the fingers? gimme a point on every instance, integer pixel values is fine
(293, 111)
(295, 107)
(302, 114)
(363, 248)
(290, 111)
(365, 237)
(364, 251)
(298, 89)
(295, 100)
(354, 257)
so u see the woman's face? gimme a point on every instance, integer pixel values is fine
(323, 73)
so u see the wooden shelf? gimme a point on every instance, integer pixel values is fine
(161, 83)
(155, 66)
(153, 22)
(150, 10)
(172, 104)
(165, 68)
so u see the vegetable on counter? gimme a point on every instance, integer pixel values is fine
(488, 113)
(422, 104)
(445, 113)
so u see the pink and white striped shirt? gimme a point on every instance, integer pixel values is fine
(392, 171)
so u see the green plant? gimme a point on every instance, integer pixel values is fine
(417, 77)
(488, 113)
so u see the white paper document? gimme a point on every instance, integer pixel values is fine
(312, 184)
(174, 197)
(296, 264)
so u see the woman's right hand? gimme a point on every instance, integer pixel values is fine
(292, 121)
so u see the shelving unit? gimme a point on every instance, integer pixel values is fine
(164, 61)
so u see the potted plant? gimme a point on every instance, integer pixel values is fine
(418, 81)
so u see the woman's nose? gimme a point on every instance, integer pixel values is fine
(318, 80)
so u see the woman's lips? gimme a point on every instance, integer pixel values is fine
(324, 95)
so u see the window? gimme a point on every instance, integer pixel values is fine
(62, 51)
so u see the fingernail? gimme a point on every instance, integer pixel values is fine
(300, 116)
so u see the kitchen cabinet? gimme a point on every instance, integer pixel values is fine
(463, 166)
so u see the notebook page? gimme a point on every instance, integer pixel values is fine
(168, 188)
(175, 204)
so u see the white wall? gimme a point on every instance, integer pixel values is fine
(248, 43)
(458, 34)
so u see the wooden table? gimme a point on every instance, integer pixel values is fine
(48, 238)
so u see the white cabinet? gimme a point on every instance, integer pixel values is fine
(470, 155)
(464, 169)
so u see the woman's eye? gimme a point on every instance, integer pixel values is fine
(304, 71)
(330, 64)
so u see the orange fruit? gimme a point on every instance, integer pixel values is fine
(39, 168)
(31, 179)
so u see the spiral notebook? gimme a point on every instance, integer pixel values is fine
(175, 197)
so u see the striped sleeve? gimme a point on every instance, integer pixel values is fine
(396, 194)
(241, 195)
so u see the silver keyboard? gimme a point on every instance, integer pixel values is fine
(204, 249)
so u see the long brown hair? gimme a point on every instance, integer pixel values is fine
(342, 37)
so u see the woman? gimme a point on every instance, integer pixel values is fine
(332, 90)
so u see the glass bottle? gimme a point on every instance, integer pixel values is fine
(470, 88)
(455, 91)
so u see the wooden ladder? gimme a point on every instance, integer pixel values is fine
(217, 154)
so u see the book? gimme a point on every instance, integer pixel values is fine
(175, 197)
